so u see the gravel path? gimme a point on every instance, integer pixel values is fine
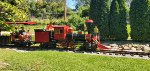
(88, 53)
(112, 55)
(126, 56)
(145, 47)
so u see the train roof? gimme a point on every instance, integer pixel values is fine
(25, 23)
(60, 26)
(89, 21)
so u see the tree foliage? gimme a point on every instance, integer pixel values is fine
(84, 11)
(75, 20)
(114, 19)
(48, 9)
(82, 3)
(99, 11)
(20, 4)
(9, 12)
(118, 20)
(140, 20)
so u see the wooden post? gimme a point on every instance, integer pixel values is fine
(65, 10)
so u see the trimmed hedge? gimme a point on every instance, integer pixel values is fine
(140, 20)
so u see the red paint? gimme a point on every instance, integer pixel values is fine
(89, 21)
(101, 47)
(42, 36)
(88, 37)
(49, 27)
(60, 32)
(25, 23)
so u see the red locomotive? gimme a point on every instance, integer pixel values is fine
(64, 36)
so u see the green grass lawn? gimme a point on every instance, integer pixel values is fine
(63, 61)
(32, 27)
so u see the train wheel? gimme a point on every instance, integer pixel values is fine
(123, 54)
(62, 44)
(104, 52)
(149, 55)
(71, 46)
(116, 54)
(29, 44)
(87, 46)
(83, 47)
(110, 54)
(140, 55)
(43, 45)
(132, 54)
(53, 44)
(15, 44)
(94, 47)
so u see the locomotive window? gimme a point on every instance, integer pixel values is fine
(61, 31)
(57, 31)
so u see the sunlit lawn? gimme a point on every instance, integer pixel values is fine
(63, 61)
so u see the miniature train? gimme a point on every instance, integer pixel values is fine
(63, 36)
(58, 36)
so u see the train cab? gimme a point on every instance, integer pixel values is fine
(60, 32)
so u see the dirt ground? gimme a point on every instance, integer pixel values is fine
(3, 64)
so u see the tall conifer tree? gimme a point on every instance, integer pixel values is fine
(99, 11)
(114, 19)
(140, 20)
(118, 20)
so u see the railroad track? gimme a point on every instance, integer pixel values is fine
(112, 53)
(126, 54)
